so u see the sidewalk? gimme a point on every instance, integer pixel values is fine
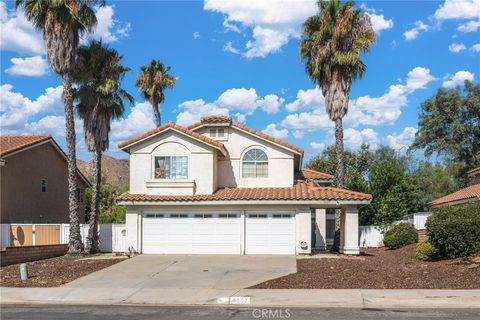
(345, 298)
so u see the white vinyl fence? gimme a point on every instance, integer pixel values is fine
(112, 236)
(418, 219)
(370, 236)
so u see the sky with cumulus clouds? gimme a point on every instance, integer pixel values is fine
(240, 58)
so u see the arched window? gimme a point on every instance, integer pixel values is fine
(255, 164)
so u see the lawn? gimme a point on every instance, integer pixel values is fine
(380, 268)
(55, 271)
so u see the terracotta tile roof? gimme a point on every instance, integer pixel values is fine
(315, 175)
(301, 191)
(221, 119)
(170, 124)
(471, 192)
(474, 172)
(9, 144)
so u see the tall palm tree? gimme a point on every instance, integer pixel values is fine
(98, 74)
(331, 47)
(62, 22)
(152, 81)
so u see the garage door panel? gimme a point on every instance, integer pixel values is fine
(270, 233)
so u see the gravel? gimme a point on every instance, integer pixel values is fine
(53, 272)
(381, 269)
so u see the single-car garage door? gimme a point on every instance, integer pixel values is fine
(270, 233)
(191, 233)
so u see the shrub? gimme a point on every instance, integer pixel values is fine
(455, 230)
(425, 250)
(400, 235)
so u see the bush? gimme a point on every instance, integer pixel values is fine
(425, 250)
(400, 235)
(455, 230)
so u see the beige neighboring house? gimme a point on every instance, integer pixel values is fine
(220, 187)
(468, 194)
(34, 185)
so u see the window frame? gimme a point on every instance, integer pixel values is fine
(43, 185)
(170, 167)
(255, 164)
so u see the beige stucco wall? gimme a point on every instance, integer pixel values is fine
(280, 166)
(201, 169)
(22, 199)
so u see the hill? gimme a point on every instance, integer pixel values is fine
(114, 171)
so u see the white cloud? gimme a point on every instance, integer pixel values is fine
(456, 47)
(353, 139)
(228, 47)
(108, 29)
(272, 130)
(379, 22)
(35, 66)
(469, 26)
(17, 33)
(402, 140)
(475, 47)
(196, 35)
(272, 103)
(458, 9)
(414, 32)
(319, 146)
(273, 22)
(16, 109)
(139, 120)
(240, 102)
(298, 134)
(307, 99)
(458, 79)
(53, 125)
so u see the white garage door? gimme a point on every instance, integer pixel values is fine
(270, 233)
(194, 233)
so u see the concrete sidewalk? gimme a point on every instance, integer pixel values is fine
(345, 298)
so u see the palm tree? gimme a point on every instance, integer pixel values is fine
(331, 46)
(152, 81)
(62, 22)
(98, 74)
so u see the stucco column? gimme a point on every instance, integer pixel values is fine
(303, 231)
(321, 229)
(133, 224)
(349, 231)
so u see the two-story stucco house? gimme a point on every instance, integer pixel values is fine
(219, 187)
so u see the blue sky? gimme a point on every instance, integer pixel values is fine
(240, 57)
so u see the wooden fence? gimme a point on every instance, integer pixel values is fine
(112, 236)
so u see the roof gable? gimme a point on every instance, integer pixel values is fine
(16, 143)
(170, 126)
(468, 193)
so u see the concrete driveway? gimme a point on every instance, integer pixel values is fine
(189, 272)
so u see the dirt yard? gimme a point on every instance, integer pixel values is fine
(380, 269)
(53, 272)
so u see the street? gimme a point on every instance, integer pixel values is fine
(117, 312)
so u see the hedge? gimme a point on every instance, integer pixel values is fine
(400, 235)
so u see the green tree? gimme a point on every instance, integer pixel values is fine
(331, 47)
(62, 22)
(110, 212)
(432, 181)
(152, 82)
(98, 73)
(449, 125)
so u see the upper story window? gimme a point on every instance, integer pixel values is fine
(255, 164)
(217, 133)
(44, 185)
(173, 168)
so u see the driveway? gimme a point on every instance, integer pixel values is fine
(189, 272)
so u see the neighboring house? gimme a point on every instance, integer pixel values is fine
(468, 194)
(34, 184)
(219, 187)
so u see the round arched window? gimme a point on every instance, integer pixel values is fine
(255, 164)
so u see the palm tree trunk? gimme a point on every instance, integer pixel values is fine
(156, 112)
(92, 239)
(75, 245)
(340, 177)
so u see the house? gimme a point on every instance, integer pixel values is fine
(220, 187)
(34, 184)
(468, 194)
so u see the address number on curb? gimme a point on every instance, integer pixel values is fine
(239, 300)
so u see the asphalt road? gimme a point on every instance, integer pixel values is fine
(55, 312)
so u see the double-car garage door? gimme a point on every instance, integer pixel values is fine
(219, 233)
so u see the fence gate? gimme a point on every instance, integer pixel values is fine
(47, 234)
(21, 235)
